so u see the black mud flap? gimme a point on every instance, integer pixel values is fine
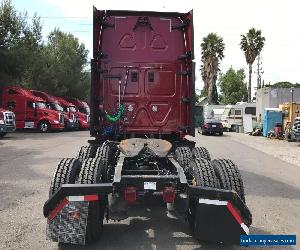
(67, 211)
(221, 216)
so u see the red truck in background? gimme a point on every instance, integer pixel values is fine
(30, 111)
(83, 112)
(7, 122)
(51, 101)
(70, 113)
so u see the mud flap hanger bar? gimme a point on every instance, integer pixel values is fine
(75, 190)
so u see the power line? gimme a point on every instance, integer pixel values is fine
(59, 17)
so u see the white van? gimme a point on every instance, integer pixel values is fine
(233, 114)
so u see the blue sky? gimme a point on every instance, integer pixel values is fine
(279, 21)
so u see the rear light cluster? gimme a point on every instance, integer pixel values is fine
(130, 194)
(206, 125)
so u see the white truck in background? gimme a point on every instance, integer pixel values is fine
(234, 115)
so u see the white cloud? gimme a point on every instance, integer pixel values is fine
(277, 19)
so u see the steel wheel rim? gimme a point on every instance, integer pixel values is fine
(44, 127)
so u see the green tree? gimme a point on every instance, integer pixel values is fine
(232, 86)
(251, 43)
(20, 43)
(211, 55)
(285, 85)
(65, 60)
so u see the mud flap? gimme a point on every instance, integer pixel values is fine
(67, 211)
(221, 216)
(69, 225)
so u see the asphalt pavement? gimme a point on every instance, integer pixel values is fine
(27, 161)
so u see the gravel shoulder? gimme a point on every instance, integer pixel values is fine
(286, 151)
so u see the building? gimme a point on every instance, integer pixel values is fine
(270, 97)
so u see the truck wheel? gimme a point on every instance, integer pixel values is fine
(183, 156)
(91, 172)
(107, 157)
(86, 152)
(44, 126)
(66, 172)
(201, 152)
(2, 135)
(203, 175)
(229, 176)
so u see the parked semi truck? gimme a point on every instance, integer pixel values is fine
(7, 122)
(83, 112)
(51, 102)
(70, 113)
(31, 112)
(142, 100)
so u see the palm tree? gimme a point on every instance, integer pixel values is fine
(211, 55)
(252, 43)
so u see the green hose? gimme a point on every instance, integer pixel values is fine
(115, 117)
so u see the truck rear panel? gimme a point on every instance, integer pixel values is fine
(144, 60)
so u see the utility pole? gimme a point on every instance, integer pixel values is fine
(259, 71)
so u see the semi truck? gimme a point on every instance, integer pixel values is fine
(51, 102)
(83, 112)
(70, 113)
(7, 122)
(31, 112)
(142, 101)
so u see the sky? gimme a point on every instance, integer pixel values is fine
(279, 21)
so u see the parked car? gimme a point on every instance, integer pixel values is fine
(212, 127)
(31, 111)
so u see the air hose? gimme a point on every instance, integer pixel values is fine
(115, 117)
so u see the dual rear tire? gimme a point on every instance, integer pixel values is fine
(85, 171)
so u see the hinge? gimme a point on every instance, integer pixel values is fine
(186, 99)
(104, 23)
(185, 56)
(99, 55)
(108, 76)
(101, 71)
(181, 26)
(185, 73)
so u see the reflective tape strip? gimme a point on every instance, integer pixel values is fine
(58, 208)
(213, 202)
(234, 213)
(245, 228)
(90, 197)
(75, 198)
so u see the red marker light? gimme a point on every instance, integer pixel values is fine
(130, 194)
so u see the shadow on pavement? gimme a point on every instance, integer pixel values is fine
(266, 186)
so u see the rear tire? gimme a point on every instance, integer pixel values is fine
(201, 152)
(221, 133)
(87, 152)
(183, 156)
(107, 154)
(203, 175)
(229, 176)
(66, 172)
(91, 173)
